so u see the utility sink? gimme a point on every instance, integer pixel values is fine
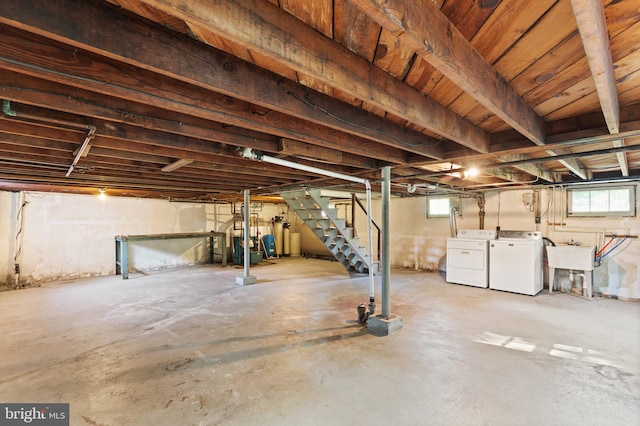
(571, 257)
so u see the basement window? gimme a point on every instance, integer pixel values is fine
(441, 206)
(601, 201)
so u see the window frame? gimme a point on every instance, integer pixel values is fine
(453, 202)
(631, 212)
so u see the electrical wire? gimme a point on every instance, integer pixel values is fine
(131, 117)
(342, 120)
(548, 206)
(208, 110)
(498, 210)
(519, 184)
(19, 219)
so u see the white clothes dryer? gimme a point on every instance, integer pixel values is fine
(468, 257)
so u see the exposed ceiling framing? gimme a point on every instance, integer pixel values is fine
(156, 98)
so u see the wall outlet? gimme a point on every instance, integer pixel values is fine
(17, 268)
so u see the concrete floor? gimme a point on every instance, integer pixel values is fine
(190, 347)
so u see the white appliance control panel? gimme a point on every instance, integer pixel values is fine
(477, 234)
(520, 235)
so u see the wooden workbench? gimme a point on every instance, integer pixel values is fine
(122, 246)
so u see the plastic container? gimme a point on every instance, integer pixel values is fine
(295, 244)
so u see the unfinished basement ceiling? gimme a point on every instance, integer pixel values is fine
(107, 94)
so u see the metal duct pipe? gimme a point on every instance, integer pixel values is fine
(411, 188)
(481, 212)
(453, 225)
(250, 154)
(534, 160)
(6, 108)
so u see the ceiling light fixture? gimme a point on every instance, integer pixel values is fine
(472, 172)
(103, 194)
(177, 164)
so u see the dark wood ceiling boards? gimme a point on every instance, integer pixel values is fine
(525, 90)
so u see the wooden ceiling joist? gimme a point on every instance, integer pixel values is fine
(422, 26)
(112, 122)
(589, 15)
(346, 85)
(279, 37)
(595, 39)
(175, 98)
(154, 48)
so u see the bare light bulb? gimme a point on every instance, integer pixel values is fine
(472, 172)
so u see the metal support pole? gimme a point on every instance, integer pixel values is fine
(386, 258)
(124, 251)
(247, 253)
(353, 213)
(246, 279)
(211, 252)
(372, 299)
(385, 323)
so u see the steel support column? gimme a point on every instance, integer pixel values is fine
(385, 323)
(386, 257)
(246, 279)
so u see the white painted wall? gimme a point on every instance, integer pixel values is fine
(71, 236)
(9, 205)
(90, 225)
(419, 243)
(66, 236)
(618, 275)
(310, 244)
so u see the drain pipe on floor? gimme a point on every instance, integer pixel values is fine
(250, 154)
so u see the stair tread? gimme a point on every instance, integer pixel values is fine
(309, 205)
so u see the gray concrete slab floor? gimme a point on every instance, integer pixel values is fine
(191, 347)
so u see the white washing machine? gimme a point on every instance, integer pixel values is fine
(468, 257)
(515, 262)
